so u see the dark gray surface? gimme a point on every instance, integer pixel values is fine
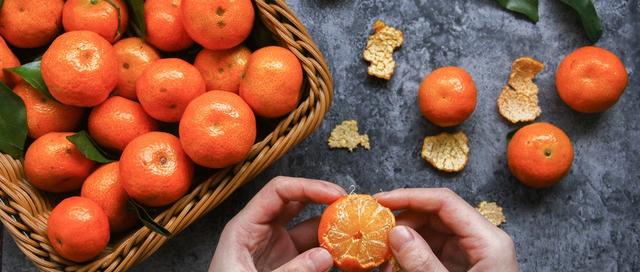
(590, 221)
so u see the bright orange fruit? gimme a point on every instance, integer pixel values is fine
(447, 96)
(272, 81)
(154, 170)
(167, 86)
(54, 164)
(217, 129)
(218, 24)
(99, 16)
(7, 60)
(104, 188)
(591, 79)
(45, 115)
(78, 229)
(539, 155)
(30, 24)
(355, 230)
(80, 68)
(223, 69)
(134, 56)
(117, 121)
(164, 25)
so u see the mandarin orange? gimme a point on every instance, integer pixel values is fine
(447, 96)
(165, 30)
(7, 60)
(154, 170)
(272, 81)
(30, 24)
(78, 229)
(80, 68)
(223, 69)
(134, 56)
(108, 18)
(218, 24)
(539, 155)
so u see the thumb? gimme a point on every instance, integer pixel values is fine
(412, 252)
(313, 260)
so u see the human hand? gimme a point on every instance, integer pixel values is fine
(457, 237)
(257, 238)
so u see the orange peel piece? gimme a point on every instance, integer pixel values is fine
(492, 212)
(518, 101)
(446, 151)
(379, 50)
(345, 135)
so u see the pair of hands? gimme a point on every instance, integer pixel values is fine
(457, 237)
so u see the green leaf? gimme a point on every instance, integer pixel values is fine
(588, 16)
(147, 220)
(30, 73)
(88, 147)
(117, 7)
(528, 8)
(139, 26)
(13, 123)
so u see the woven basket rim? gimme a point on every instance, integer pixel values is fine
(24, 209)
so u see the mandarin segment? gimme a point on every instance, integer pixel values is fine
(518, 101)
(445, 151)
(355, 230)
(379, 50)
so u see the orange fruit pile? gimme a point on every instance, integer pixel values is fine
(355, 230)
(119, 112)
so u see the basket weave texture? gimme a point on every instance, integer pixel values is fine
(24, 210)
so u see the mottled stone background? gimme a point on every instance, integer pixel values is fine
(590, 221)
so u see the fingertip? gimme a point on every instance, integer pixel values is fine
(321, 258)
(399, 236)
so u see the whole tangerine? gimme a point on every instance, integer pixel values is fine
(46, 115)
(218, 24)
(104, 188)
(117, 121)
(217, 129)
(272, 82)
(78, 229)
(134, 56)
(591, 79)
(30, 24)
(223, 69)
(7, 60)
(53, 164)
(447, 96)
(108, 18)
(165, 30)
(355, 230)
(539, 155)
(154, 170)
(167, 86)
(80, 68)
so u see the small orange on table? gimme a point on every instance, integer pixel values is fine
(154, 170)
(447, 96)
(539, 155)
(78, 229)
(355, 230)
(591, 79)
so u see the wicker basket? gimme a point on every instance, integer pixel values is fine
(24, 209)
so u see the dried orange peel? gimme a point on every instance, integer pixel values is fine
(492, 212)
(346, 135)
(379, 50)
(355, 230)
(518, 101)
(446, 151)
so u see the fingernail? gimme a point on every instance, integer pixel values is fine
(321, 258)
(399, 236)
(380, 194)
